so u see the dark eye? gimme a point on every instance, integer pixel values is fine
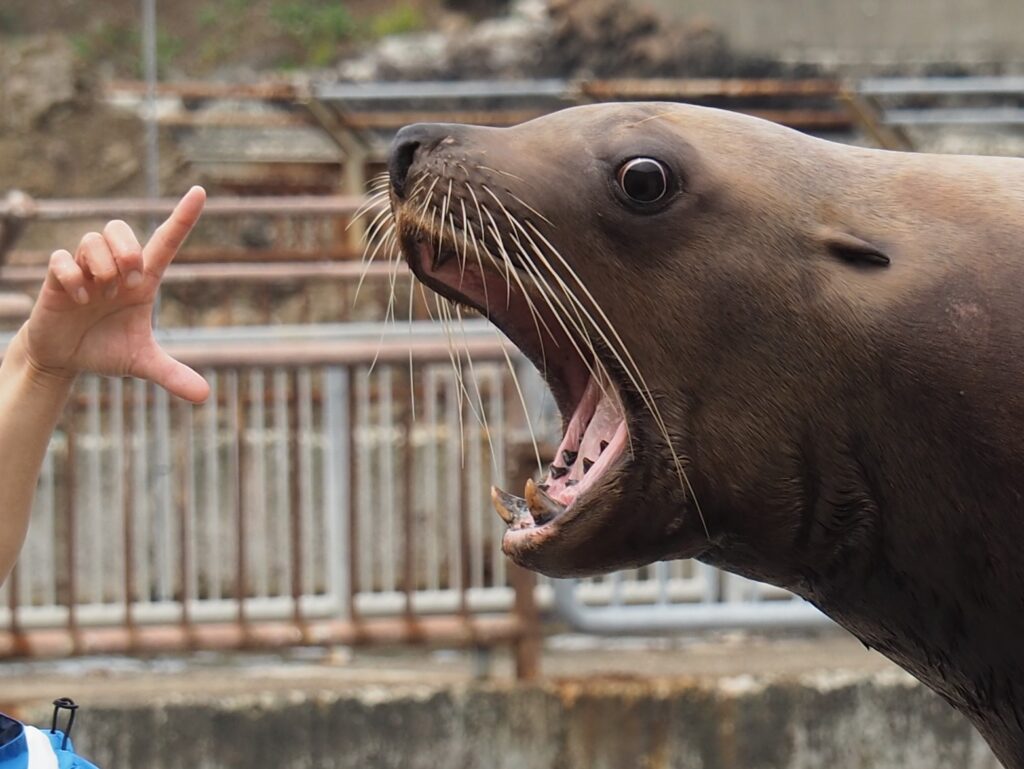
(644, 180)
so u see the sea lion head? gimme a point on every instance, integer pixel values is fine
(670, 272)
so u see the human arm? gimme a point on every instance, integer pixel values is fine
(93, 314)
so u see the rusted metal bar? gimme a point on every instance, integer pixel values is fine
(88, 208)
(17, 207)
(328, 352)
(704, 88)
(440, 630)
(29, 276)
(194, 89)
(234, 120)
(866, 113)
(396, 119)
(528, 647)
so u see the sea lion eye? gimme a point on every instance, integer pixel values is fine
(644, 180)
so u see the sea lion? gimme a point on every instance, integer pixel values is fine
(796, 360)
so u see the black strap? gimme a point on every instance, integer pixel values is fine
(59, 704)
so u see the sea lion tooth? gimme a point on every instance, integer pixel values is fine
(510, 507)
(558, 472)
(603, 445)
(569, 457)
(543, 507)
(587, 464)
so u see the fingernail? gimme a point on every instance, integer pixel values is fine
(111, 291)
(82, 296)
(134, 279)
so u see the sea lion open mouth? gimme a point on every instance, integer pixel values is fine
(484, 268)
(479, 234)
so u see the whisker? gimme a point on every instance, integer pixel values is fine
(503, 173)
(632, 371)
(476, 387)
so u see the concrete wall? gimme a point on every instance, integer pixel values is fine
(872, 31)
(885, 721)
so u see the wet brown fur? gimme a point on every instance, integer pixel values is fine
(854, 432)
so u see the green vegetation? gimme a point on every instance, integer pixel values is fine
(204, 35)
(121, 44)
(317, 27)
(399, 20)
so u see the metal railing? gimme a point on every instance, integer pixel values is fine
(312, 500)
(304, 502)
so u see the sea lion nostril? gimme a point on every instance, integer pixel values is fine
(399, 163)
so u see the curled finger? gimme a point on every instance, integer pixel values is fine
(95, 258)
(64, 275)
(126, 250)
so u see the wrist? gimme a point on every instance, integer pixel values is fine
(19, 356)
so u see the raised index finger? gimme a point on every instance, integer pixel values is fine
(169, 236)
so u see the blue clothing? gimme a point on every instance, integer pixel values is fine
(25, 747)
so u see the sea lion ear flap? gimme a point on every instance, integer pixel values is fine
(850, 248)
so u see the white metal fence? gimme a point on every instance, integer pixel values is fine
(312, 483)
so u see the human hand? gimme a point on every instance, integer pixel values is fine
(94, 312)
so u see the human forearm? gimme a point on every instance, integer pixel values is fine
(31, 401)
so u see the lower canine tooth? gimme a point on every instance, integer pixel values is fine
(510, 507)
(543, 507)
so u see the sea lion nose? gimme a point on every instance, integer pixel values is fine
(403, 150)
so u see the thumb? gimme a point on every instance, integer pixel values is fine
(173, 375)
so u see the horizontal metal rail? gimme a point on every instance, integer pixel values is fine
(964, 116)
(941, 86)
(70, 208)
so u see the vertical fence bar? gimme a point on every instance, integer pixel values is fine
(352, 406)
(295, 505)
(162, 539)
(257, 500)
(282, 523)
(70, 560)
(210, 567)
(431, 480)
(186, 511)
(142, 573)
(307, 465)
(127, 510)
(115, 536)
(408, 508)
(236, 408)
(94, 509)
(13, 588)
(337, 479)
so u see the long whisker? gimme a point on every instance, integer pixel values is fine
(522, 401)
(476, 387)
(632, 371)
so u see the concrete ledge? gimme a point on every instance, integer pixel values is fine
(868, 721)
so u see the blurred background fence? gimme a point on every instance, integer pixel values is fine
(335, 488)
